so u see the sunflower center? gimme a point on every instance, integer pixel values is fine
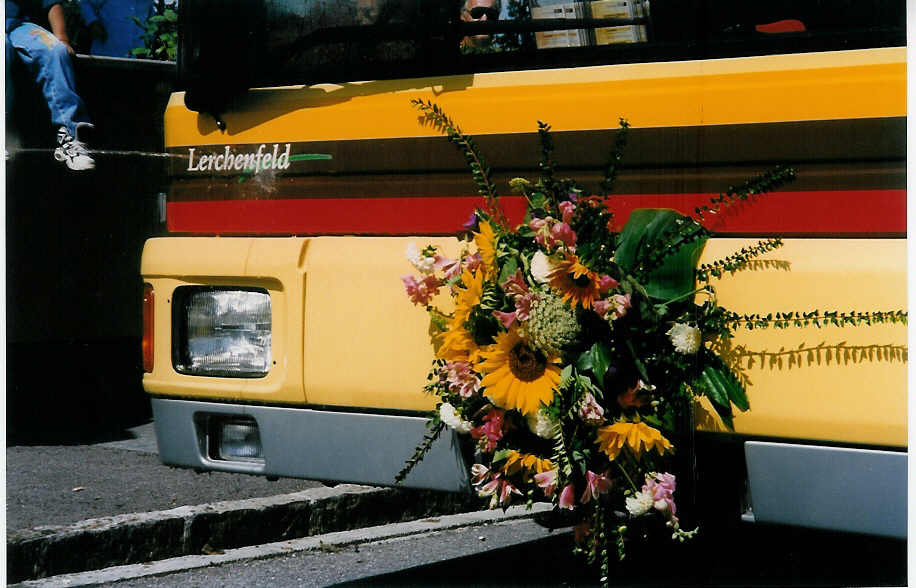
(582, 281)
(526, 364)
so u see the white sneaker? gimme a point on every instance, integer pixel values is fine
(72, 151)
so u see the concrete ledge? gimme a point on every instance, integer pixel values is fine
(209, 528)
(330, 541)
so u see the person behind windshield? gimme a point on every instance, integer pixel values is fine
(479, 11)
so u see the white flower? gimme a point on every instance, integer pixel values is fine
(450, 417)
(686, 339)
(541, 266)
(640, 504)
(541, 424)
(424, 264)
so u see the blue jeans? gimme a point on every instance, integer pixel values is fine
(47, 60)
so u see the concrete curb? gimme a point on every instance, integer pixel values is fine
(335, 540)
(209, 528)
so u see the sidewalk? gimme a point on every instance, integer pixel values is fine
(84, 507)
(62, 484)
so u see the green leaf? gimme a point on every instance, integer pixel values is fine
(736, 392)
(714, 386)
(646, 228)
(501, 455)
(584, 364)
(508, 269)
(724, 390)
(566, 374)
(600, 360)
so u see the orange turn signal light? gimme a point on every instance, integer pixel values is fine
(147, 343)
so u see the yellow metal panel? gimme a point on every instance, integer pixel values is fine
(366, 344)
(847, 384)
(836, 85)
(269, 263)
(345, 333)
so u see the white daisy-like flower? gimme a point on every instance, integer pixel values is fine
(640, 504)
(450, 417)
(424, 264)
(686, 339)
(541, 424)
(541, 266)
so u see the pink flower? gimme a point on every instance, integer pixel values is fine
(563, 233)
(508, 490)
(567, 209)
(661, 487)
(506, 318)
(515, 285)
(590, 411)
(547, 481)
(606, 284)
(421, 292)
(472, 262)
(451, 267)
(536, 224)
(480, 473)
(490, 488)
(621, 305)
(491, 431)
(523, 306)
(461, 380)
(541, 228)
(568, 497)
(595, 485)
(602, 307)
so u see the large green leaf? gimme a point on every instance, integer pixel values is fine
(715, 388)
(597, 359)
(647, 226)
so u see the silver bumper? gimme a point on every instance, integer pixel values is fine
(855, 490)
(313, 444)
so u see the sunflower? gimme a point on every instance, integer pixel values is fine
(526, 463)
(518, 376)
(486, 246)
(457, 342)
(637, 436)
(576, 283)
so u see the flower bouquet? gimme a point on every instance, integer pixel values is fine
(573, 353)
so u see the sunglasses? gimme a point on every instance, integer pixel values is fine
(479, 11)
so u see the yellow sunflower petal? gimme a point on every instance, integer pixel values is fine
(517, 376)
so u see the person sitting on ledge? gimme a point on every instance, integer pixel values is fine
(47, 57)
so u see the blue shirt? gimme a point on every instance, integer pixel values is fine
(27, 10)
(116, 17)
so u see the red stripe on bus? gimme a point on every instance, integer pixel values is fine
(797, 213)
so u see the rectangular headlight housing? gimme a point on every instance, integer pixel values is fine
(222, 331)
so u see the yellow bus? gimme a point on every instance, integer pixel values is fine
(278, 340)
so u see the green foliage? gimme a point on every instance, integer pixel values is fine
(614, 163)
(784, 320)
(434, 428)
(737, 260)
(766, 182)
(668, 273)
(160, 34)
(434, 116)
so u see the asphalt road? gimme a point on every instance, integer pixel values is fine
(60, 484)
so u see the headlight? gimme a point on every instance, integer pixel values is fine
(222, 331)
